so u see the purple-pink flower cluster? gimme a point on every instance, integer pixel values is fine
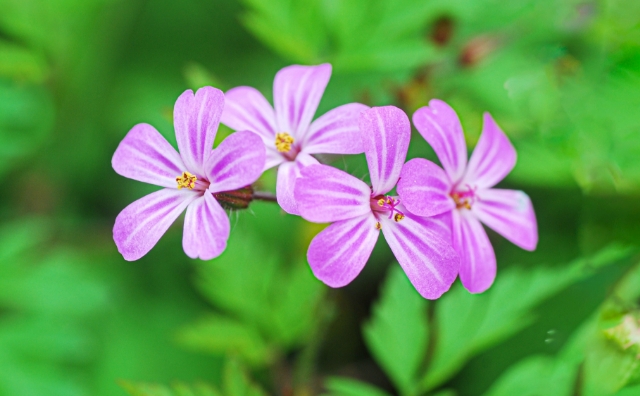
(432, 222)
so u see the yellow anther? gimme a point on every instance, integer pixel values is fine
(186, 180)
(284, 142)
(460, 203)
(381, 202)
(398, 216)
(378, 225)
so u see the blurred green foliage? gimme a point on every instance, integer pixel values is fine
(234, 383)
(562, 78)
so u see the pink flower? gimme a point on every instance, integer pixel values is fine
(288, 133)
(466, 191)
(359, 212)
(191, 178)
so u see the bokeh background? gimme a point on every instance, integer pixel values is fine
(562, 78)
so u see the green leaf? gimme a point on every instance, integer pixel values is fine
(613, 345)
(37, 288)
(19, 237)
(341, 386)
(629, 391)
(20, 64)
(176, 389)
(21, 134)
(397, 334)
(198, 76)
(291, 28)
(469, 323)
(608, 367)
(353, 34)
(241, 282)
(221, 335)
(236, 383)
(536, 375)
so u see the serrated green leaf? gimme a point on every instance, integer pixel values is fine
(341, 386)
(398, 333)
(468, 323)
(352, 34)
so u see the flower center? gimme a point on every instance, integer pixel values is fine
(381, 204)
(186, 180)
(464, 199)
(284, 142)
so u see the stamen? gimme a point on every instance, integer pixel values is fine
(464, 199)
(186, 180)
(386, 205)
(378, 225)
(284, 142)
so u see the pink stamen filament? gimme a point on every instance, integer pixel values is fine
(389, 204)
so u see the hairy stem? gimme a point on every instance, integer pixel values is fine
(264, 196)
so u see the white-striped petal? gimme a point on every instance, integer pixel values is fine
(338, 253)
(336, 132)
(196, 119)
(325, 194)
(440, 127)
(385, 132)
(145, 155)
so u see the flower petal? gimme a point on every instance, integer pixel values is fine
(274, 158)
(477, 258)
(237, 162)
(336, 132)
(247, 110)
(338, 253)
(196, 119)
(206, 229)
(440, 127)
(297, 91)
(429, 260)
(145, 155)
(510, 214)
(288, 172)
(441, 225)
(492, 159)
(385, 134)
(424, 188)
(325, 194)
(141, 224)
